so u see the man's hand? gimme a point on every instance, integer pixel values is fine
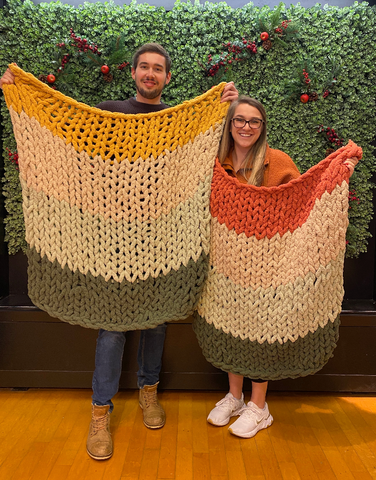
(350, 164)
(7, 78)
(230, 93)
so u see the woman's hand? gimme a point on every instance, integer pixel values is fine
(351, 163)
(7, 78)
(230, 93)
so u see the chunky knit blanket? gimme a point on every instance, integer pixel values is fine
(116, 206)
(271, 304)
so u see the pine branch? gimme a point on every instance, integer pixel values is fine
(90, 57)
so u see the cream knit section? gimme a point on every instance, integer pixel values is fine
(142, 248)
(279, 260)
(140, 190)
(274, 315)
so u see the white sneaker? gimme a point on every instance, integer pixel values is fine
(225, 409)
(251, 420)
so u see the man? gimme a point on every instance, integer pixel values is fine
(151, 72)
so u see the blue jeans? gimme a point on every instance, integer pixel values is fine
(109, 359)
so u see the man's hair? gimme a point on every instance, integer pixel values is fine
(153, 48)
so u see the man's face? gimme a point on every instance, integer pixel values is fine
(150, 77)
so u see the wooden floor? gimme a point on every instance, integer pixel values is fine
(43, 435)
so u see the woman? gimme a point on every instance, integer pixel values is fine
(245, 155)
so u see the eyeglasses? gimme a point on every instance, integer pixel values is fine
(254, 123)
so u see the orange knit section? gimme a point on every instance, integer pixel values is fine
(278, 209)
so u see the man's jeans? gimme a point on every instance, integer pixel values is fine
(109, 359)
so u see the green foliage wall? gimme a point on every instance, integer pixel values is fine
(29, 34)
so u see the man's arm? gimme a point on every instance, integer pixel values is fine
(7, 78)
(230, 93)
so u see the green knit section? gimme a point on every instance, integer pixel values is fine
(94, 303)
(266, 361)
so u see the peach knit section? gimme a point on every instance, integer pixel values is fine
(272, 315)
(114, 135)
(254, 263)
(140, 190)
(142, 248)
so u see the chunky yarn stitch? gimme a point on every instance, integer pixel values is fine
(116, 206)
(270, 307)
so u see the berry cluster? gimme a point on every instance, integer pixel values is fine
(232, 47)
(251, 46)
(214, 65)
(13, 157)
(238, 47)
(331, 135)
(64, 60)
(353, 197)
(82, 44)
(235, 53)
(306, 77)
(327, 91)
(285, 24)
(123, 65)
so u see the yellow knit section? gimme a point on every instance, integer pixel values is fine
(114, 135)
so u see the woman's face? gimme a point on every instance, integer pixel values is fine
(245, 137)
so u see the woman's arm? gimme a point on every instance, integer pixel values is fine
(230, 93)
(351, 163)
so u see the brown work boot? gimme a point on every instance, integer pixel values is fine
(99, 441)
(154, 415)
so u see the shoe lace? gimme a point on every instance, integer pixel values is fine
(249, 411)
(150, 398)
(99, 423)
(227, 402)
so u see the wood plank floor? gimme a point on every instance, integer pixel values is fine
(318, 437)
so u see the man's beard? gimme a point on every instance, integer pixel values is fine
(149, 94)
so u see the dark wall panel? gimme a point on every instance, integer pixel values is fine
(39, 351)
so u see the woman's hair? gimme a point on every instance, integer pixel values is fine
(256, 155)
